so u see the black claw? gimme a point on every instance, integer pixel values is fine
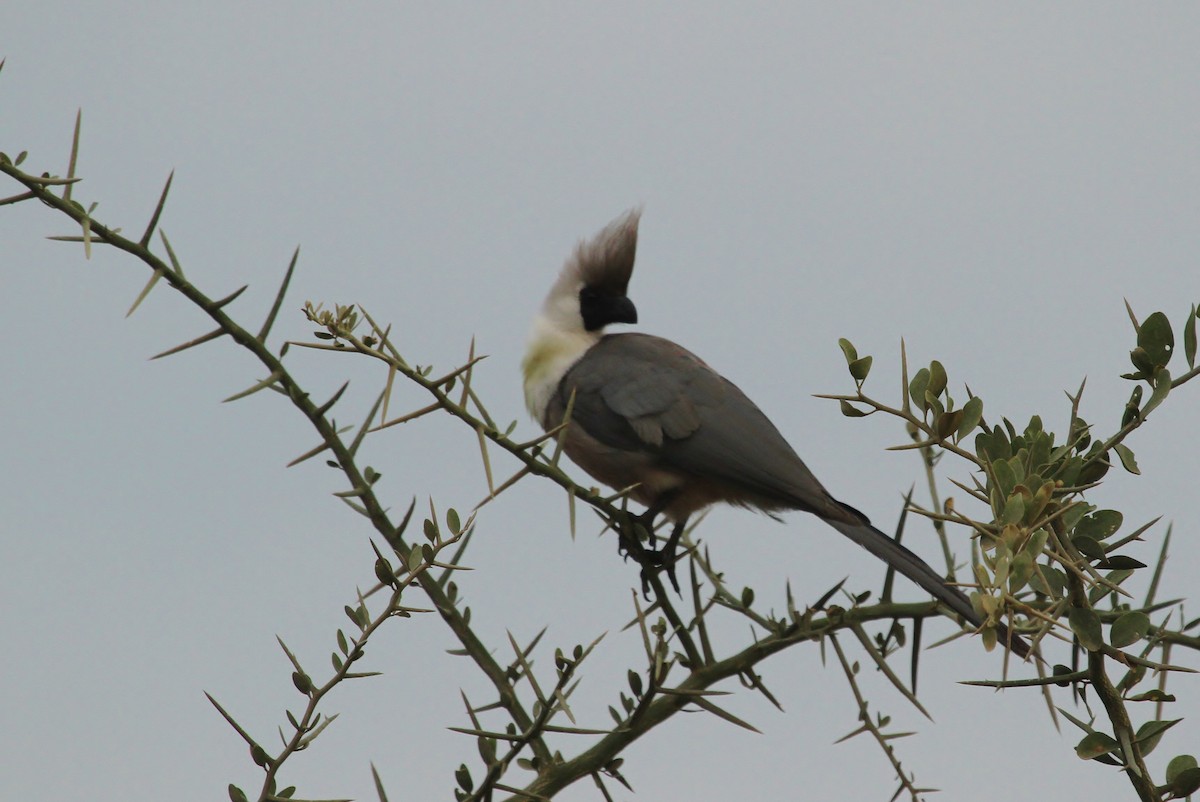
(648, 557)
(671, 576)
(651, 559)
(646, 521)
(647, 572)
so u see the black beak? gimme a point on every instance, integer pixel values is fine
(599, 309)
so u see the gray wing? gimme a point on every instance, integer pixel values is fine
(644, 393)
(638, 393)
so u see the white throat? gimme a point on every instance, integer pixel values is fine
(552, 350)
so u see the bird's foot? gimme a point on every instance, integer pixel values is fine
(652, 560)
(635, 530)
(662, 559)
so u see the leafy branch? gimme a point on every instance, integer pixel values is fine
(1048, 557)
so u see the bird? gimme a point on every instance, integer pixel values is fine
(650, 417)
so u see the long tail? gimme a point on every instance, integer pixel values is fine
(916, 569)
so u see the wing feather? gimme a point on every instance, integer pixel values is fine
(637, 391)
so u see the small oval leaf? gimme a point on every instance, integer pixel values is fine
(850, 411)
(1189, 338)
(848, 350)
(937, 378)
(1100, 524)
(1187, 782)
(1014, 509)
(1095, 744)
(859, 368)
(972, 413)
(917, 387)
(1086, 626)
(1127, 459)
(1129, 628)
(1156, 338)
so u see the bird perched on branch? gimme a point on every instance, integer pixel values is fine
(648, 414)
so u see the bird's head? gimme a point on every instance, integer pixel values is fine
(589, 294)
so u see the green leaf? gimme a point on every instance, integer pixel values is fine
(1000, 570)
(859, 368)
(1180, 764)
(1186, 783)
(1006, 479)
(1121, 574)
(1036, 543)
(1041, 497)
(384, 572)
(1162, 386)
(1075, 514)
(937, 379)
(1128, 462)
(453, 522)
(993, 445)
(1122, 562)
(1182, 776)
(851, 411)
(1014, 509)
(1142, 361)
(1096, 469)
(917, 387)
(487, 750)
(948, 422)
(414, 559)
(1150, 733)
(1156, 339)
(1129, 629)
(1086, 626)
(1088, 546)
(302, 682)
(1189, 338)
(1133, 407)
(933, 403)
(463, 776)
(1017, 464)
(1020, 573)
(1095, 744)
(1080, 435)
(848, 349)
(1099, 525)
(1049, 582)
(972, 414)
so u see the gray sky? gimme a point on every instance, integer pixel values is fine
(988, 182)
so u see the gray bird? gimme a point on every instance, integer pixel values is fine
(649, 414)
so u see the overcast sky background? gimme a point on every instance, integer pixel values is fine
(988, 182)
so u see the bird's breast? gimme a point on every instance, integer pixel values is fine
(549, 355)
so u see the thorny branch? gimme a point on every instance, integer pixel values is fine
(1007, 538)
